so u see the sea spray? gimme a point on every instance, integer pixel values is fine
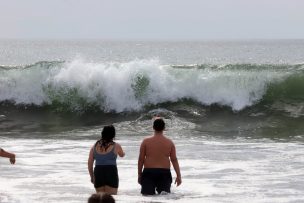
(121, 87)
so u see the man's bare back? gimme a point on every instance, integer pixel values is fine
(156, 153)
(158, 149)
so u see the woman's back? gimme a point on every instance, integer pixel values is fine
(105, 156)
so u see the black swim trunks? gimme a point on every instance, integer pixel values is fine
(158, 179)
(106, 175)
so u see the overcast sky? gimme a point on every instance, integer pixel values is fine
(154, 19)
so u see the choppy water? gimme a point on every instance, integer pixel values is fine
(213, 170)
(234, 109)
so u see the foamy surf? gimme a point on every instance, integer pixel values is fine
(126, 87)
(212, 171)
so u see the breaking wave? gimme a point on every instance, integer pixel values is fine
(123, 87)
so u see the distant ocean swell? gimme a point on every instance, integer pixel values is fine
(125, 87)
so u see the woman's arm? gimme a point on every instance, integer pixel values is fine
(119, 150)
(90, 165)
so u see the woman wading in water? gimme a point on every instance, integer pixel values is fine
(104, 154)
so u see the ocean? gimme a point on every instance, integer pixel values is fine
(235, 110)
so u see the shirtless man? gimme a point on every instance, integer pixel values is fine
(155, 155)
(9, 155)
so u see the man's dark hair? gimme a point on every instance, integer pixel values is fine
(159, 124)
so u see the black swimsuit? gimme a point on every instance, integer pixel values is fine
(105, 171)
(155, 178)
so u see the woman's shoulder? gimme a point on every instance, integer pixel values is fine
(96, 144)
(116, 144)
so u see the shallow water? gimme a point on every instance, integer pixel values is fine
(213, 170)
(235, 110)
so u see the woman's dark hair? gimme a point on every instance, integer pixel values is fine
(107, 136)
(108, 133)
(159, 124)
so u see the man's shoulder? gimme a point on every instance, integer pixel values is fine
(168, 139)
(171, 142)
(147, 138)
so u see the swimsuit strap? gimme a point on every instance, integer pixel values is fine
(112, 150)
(113, 147)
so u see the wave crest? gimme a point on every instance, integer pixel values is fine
(119, 87)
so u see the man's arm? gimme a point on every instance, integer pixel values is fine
(141, 160)
(175, 164)
(9, 155)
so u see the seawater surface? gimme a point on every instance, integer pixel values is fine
(233, 108)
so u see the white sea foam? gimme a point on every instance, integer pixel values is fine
(130, 86)
(212, 171)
